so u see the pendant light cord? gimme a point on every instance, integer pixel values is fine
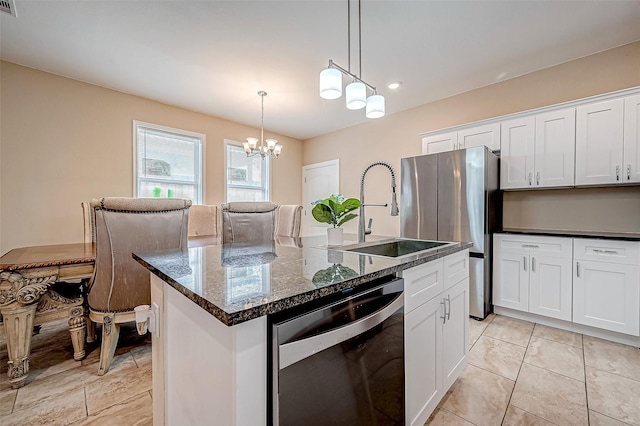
(359, 40)
(349, 34)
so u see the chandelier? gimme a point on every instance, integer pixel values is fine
(269, 147)
(356, 91)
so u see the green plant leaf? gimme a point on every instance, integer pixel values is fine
(347, 218)
(322, 213)
(351, 204)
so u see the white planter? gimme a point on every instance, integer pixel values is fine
(335, 237)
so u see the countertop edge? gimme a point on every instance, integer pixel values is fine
(251, 312)
(627, 236)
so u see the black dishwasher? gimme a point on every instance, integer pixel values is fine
(342, 363)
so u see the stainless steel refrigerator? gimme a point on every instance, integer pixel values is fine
(455, 196)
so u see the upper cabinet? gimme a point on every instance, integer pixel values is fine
(538, 151)
(599, 143)
(487, 135)
(631, 148)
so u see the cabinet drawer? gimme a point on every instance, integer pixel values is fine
(529, 244)
(456, 268)
(422, 283)
(625, 252)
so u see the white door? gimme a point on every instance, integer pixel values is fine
(423, 360)
(606, 295)
(632, 139)
(511, 281)
(455, 333)
(319, 181)
(550, 287)
(440, 143)
(487, 135)
(599, 143)
(517, 153)
(555, 141)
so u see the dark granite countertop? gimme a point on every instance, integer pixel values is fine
(630, 236)
(237, 283)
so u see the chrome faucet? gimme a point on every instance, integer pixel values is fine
(362, 231)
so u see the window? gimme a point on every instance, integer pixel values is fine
(168, 162)
(247, 177)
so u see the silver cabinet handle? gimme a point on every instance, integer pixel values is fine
(531, 245)
(617, 173)
(444, 312)
(524, 258)
(533, 264)
(538, 178)
(605, 251)
(449, 303)
(529, 179)
(578, 269)
(628, 171)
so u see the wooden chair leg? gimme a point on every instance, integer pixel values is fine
(110, 334)
(77, 328)
(91, 330)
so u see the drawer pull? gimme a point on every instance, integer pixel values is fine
(578, 269)
(538, 178)
(449, 310)
(529, 179)
(628, 171)
(444, 312)
(531, 245)
(533, 264)
(617, 173)
(605, 251)
(524, 258)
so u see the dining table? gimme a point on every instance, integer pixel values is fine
(45, 283)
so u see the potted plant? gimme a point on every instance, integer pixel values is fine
(335, 210)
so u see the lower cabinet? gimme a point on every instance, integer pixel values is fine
(606, 285)
(436, 340)
(533, 274)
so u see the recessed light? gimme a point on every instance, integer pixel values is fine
(394, 85)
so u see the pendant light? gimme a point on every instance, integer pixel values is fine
(356, 91)
(268, 147)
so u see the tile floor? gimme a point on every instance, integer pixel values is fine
(519, 373)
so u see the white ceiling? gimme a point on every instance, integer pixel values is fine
(214, 56)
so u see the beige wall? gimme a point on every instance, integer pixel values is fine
(64, 142)
(395, 136)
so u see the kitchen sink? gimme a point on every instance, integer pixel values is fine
(395, 248)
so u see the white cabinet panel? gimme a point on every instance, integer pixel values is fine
(440, 143)
(517, 153)
(599, 143)
(606, 295)
(423, 360)
(422, 283)
(632, 139)
(456, 268)
(487, 135)
(555, 148)
(550, 287)
(455, 334)
(511, 281)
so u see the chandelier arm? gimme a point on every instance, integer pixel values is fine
(355, 77)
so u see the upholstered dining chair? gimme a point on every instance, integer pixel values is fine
(288, 225)
(246, 222)
(203, 221)
(119, 283)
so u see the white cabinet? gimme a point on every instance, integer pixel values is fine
(538, 151)
(631, 147)
(606, 285)
(487, 135)
(533, 274)
(436, 333)
(599, 143)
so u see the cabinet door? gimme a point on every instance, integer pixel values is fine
(555, 138)
(455, 333)
(550, 287)
(599, 143)
(632, 139)
(511, 281)
(606, 295)
(423, 360)
(487, 135)
(422, 283)
(440, 143)
(517, 153)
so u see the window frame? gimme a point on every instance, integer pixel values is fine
(200, 169)
(266, 172)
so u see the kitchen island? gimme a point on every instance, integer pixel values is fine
(212, 307)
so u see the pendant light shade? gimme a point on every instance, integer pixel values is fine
(356, 94)
(330, 84)
(375, 106)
